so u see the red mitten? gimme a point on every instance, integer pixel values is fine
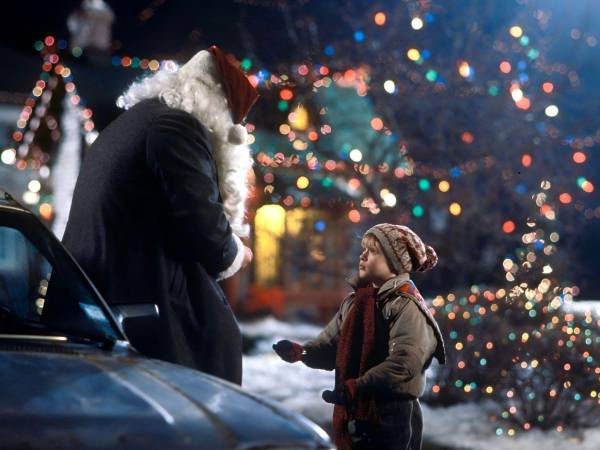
(289, 351)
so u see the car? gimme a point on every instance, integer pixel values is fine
(69, 378)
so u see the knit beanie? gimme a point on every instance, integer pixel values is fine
(404, 249)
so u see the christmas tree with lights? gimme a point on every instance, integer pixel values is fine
(461, 116)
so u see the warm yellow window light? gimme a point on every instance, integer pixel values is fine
(269, 228)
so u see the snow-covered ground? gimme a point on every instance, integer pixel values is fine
(464, 426)
(295, 385)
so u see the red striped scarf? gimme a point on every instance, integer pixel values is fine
(356, 353)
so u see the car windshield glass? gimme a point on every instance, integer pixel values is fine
(41, 290)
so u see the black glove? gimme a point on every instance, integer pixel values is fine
(337, 397)
(342, 395)
(289, 351)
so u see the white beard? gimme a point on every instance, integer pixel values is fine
(195, 88)
(233, 163)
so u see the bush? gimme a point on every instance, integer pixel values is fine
(542, 369)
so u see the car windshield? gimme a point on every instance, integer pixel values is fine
(42, 292)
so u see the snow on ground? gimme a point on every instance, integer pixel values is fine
(466, 426)
(295, 385)
(299, 388)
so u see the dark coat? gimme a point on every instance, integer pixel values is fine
(147, 225)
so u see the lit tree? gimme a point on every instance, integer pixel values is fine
(464, 102)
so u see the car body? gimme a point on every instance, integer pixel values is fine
(70, 379)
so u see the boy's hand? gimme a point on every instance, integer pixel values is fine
(337, 397)
(289, 351)
(343, 395)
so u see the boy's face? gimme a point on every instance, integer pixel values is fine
(372, 264)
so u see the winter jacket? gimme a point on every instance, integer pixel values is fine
(414, 339)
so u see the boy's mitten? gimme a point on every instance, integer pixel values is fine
(289, 351)
(344, 395)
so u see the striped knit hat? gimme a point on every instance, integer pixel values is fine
(404, 248)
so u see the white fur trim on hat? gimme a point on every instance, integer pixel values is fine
(202, 67)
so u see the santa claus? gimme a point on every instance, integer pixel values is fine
(159, 209)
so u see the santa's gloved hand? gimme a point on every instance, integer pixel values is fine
(343, 395)
(289, 351)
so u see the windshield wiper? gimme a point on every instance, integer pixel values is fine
(29, 329)
(103, 344)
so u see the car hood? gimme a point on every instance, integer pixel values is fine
(89, 399)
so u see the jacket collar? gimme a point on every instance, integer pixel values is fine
(384, 289)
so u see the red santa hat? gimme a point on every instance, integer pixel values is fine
(241, 95)
(213, 67)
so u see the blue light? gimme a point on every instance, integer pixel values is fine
(262, 74)
(429, 17)
(320, 225)
(425, 54)
(116, 61)
(520, 188)
(522, 65)
(329, 51)
(455, 172)
(359, 36)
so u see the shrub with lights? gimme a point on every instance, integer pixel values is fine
(523, 347)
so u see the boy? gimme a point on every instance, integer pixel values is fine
(380, 343)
